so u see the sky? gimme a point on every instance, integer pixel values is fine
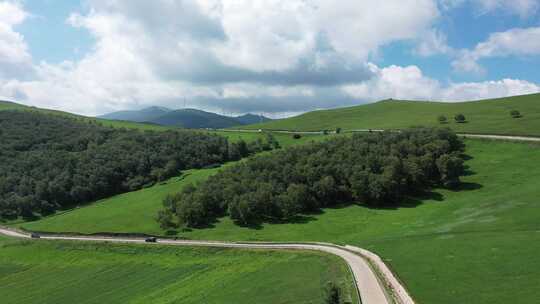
(273, 57)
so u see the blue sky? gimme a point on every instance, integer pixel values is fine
(274, 57)
(48, 35)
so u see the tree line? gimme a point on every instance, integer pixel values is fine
(48, 162)
(378, 169)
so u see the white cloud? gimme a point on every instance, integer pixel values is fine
(433, 42)
(410, 83)
(15, 61)
(488, 89)
(514, 42)
(161, 51)
(394, 82)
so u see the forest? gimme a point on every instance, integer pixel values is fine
(378, 170)
(49, 162)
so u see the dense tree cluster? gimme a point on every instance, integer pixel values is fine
(50, 161)
(374, 169)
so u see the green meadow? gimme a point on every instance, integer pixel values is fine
(73, 272)
(478, 244)
(485, 116)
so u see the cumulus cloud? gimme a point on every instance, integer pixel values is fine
(278, 57)
(410, 83)
(216, 51)
(15, 60)
(514, 42)
(487, 89)
(394, 82)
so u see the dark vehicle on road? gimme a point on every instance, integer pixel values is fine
(35, 236)
(151, 240)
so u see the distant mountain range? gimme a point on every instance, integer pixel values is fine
(185, 118)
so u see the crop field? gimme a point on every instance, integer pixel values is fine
(486, 116)
(70, 272)
(448, 236)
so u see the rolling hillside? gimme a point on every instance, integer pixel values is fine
(8, 105)
(485, 116)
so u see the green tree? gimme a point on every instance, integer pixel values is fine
(451, 168)
(460, 118)
(165, 219)
(442, 119)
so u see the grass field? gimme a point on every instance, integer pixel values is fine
(487, 116)
(476, 245)
(70, 272)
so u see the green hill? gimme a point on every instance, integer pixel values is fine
(12, 106)
(8, 105)
(485, 116)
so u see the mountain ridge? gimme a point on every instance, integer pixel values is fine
(186, 118)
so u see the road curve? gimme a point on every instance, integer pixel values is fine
(375, 287)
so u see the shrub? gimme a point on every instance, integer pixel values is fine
(460, 118)
(338, 130)
(442, 119)
(515, 114)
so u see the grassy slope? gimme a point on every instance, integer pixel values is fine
(69, 272)
(486, 116)
(477, 245)
(4, 105)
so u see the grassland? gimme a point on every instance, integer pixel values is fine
(486, 116)
(70, 272)
(476, 245)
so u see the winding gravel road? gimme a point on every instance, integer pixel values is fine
(373, 289)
